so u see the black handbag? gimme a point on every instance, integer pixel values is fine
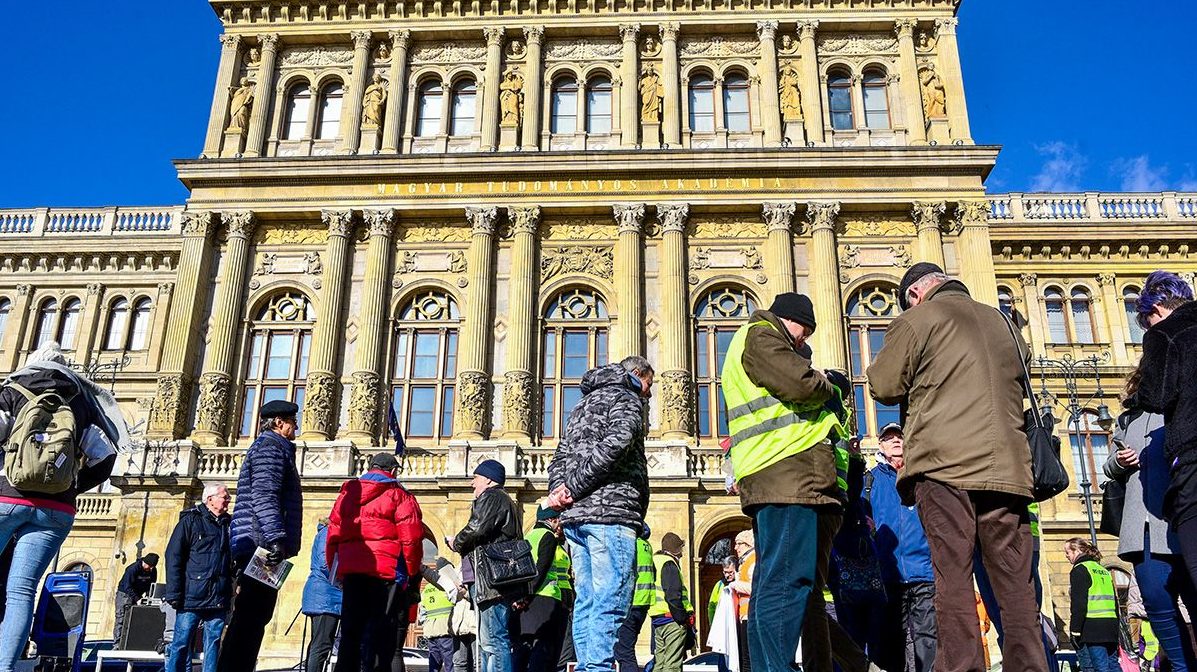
(1113, 496)
(1048, 476)
(507, 563)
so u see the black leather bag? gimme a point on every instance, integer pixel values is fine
(1049, 478)
(508, 563)
(1113, 496)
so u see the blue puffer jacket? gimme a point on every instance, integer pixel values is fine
(269, 506)
(199, 567)
(900, 540)
(320, 596)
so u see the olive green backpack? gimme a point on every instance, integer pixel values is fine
(40, 452)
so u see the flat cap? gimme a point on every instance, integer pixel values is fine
(279, 408)
(384, 461)
(916, 273)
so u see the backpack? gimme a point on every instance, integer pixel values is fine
(41, 453)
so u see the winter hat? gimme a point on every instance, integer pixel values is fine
(671, 543)
(384, 461)
(545, 513)
(916, 273)
(151, 559)
(794, 307)
(492, 469)
(746, 538)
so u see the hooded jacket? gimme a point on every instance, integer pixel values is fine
(199, 565)
(898, 536)
(1169, 368)
(376, 529)
(320, 596)
(269, 505)
(600, 458)
(493, 518)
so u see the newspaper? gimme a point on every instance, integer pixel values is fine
(261, 570)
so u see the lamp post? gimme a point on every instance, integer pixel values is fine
(1071, 371)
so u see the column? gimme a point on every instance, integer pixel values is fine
(518, 382)
(319, 413)
(1115, 311)
(629, 271)
(830, 348)
(215, 385)
(351, 135)
(629, 78)
(172, 402)
(396, 87)
(365, 401)
(812, 93)
(86, 338)
(14, 334)
(908, 82)
(534, 37)
(263, 94)
(953, 78)
(974, 252)
(767, 69)
(473, 381)
(490, 90)
(158, 331)
(671, 120)
(779, 249)
(677, 385)
(928, 217)
(230, 63)
(1033, 312)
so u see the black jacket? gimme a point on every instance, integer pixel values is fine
(1169, 367)
(136, 582)
(493, 518)
(199, 565)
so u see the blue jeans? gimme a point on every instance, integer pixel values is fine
(1162, 579)
(604, 558)
(37, 534)
(786, 556)
(178, 657)
(1099, 658)
(494, 636)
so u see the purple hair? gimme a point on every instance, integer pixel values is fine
(1161, 287)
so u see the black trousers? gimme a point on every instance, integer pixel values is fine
(541, 651)
(324, 633)
(918, 612)
(253, 607)
(364, 619)
(625, 640)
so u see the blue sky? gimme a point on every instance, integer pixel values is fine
(105, 94)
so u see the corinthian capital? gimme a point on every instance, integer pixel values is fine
(339, 222)
(779, 216)
(361, 39)
(268, 41)
(927, 214)
(494, 35)
(380, 222)
(946, 26)
(483, 220)
(673, 217)
(198, 223)
(822, 215)
(524, 220)
(629, 31)
(629, 217)
(905, 27)
(669, 31)
(533, 34)
(806, 29)
(230, 41)
(1028, 279)
(972, 213)
(1106, 279)
(240, 222)
(400, 39)
(766, 30)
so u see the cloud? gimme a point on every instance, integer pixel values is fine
(1139, 175)
(1062, 168)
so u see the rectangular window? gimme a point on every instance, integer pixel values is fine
(735, 103)
(255, 357)
(305, 350)
(704, 410)
(270, 394)
(702, 110)
(723, 339)
(422, 412)
(576, 356)
(463, 112)
(249, 412)
(546, 411)
(426, 353)
(451, 355)
(1055, 322)
(278, 359)
(141, 328)
(1132, 320)
(841, 108)
(854, 353)
(701, 354)
(299, 396)
(1082, 322)
(397, 405)
(565, 111)
(401, 356)
(570, 396)
(447, 411)
(600, 345)
(116, 329)
(876, 107)
(429, 123)
(550, 355)
(876, 342)
(598, 111)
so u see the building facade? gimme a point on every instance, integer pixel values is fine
(454, 209)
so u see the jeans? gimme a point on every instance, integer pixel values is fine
(604, 558)
(1162, 579)
(324, 634)
(253, 607)
(625, 644)
(1099, 658)
(464, 653)
(36, 534)
(787, 555)
(494, 637)
(178, 658)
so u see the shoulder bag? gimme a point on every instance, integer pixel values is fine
(507, 563)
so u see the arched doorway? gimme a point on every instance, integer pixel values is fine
(710, 569)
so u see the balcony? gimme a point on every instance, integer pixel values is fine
(128, 221)
(1092, 207)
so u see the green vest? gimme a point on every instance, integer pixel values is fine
(550, 587)
(436, 604)
(1033, 511)
(842, 459)
(646, 576)
(660, 607)
(1101, 592)
(561, 565)
(764, 429)
(713, 600)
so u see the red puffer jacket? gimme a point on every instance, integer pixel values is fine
(375, 529)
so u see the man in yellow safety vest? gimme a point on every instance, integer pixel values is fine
(672, 612)
(436, 609)
(642, 598)
(539, 623)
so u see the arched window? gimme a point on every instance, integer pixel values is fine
(876, 99)
(139, 329)
(839, 97)
(425, 366)
(465, 94)
(431, 102)
(299, 103)
(702, 103)
(1082, 316)
(735, 103)
(717, 316)
(870, 310)
(564, 106)
(280, 338)
(328, 126)
(118, 323)
(1090, 443)
(574, 341)
(1006, 303)
(68, 329)
(598, 105)
(1057, 323)
(5, 309)
(47, 321)
(1130, 296)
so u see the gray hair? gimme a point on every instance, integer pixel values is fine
(636, 363)
(928, 281)
(212, 490)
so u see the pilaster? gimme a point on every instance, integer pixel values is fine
(322, 391)
(352, 133)
(928, 218)
(490, 88)
(629, 270)
(161, 309)
(677, 385)
(1032, 311)
(474, 379)
(671, 114)
(518, 392)
(86, 338)
(975, 252)
(14, 333)
(534, 38)
(908, 82)
(830, 348)
(230, 64)
(1117, 328)
(629, 69)
(365, 399)
(767, 69)
(812, 96)
(263, 92)
(396, 87)
(953, 79)
(779, 249)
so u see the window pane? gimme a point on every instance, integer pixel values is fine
(565, 108)
(576, 361)
(854, 353)
(876, 105)
(299, 395)
(45, 324)
(425, 355)
(249, 412)
(5, 309)
(723, 431)
(550, 354)
(704, 410)
(451, 355)
(839, 94)
(1055, 322)
(546, 412)
(397, 405)
(735, 104)
(431, 100)
(400, 357)
(141, 325)
(1132, 320)
(598, 107)
(702, 354)
(1082, 321)
(702, 105)
(305, 347)
(70, 324)
(270, 394)
(447, 412)
(886, 415)
(862, 425)
(297, 113)
(118, 320)
(600, 347)
(422, 412)
(330, 113)
(255, 357)
(464, 97)
(723, 339)
(570, 396)
(278, 361)
(876, 341)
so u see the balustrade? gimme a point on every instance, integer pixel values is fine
(95, 506)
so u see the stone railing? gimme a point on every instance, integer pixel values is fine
(1092, 207)
(39, 222)
(705, 463)
(220, 463)
(534, 462)
(95, 506)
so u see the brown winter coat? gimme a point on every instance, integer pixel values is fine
(953, 366)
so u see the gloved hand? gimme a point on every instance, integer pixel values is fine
(840, 381)
(274, 553)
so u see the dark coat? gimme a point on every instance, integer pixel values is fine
(1169, 367)
(600, 458)
(269, 506)
(199, 564)
(320, 596)
(493, 518)
(136, 581)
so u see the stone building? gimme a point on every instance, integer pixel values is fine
(456, 208)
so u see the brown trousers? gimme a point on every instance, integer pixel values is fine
(956, 523)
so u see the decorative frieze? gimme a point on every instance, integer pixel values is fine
(714, 258)
(290, 235)
(578, 259)
(581, 49)
(719, 46)
(315, 57)
(435, 232)
(858, 44)
(448, 52)
(878, 225)
(579, 228)
(725, 226)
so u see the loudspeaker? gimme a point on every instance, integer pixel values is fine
(144, 626)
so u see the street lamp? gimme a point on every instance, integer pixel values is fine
(1071, 371)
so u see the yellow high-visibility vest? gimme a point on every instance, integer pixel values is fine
(550, 587)
(1102, 599)
(646, 576)
(660, 607)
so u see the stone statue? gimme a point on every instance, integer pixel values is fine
(254, 56)
(511, 97)
(934, 98)
(651, 46)
(651, 92)
(787, 44)
(791, 95)
(383, 52)
(373, 102)
(240, 106)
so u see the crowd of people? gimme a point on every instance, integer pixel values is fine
(901, 565)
